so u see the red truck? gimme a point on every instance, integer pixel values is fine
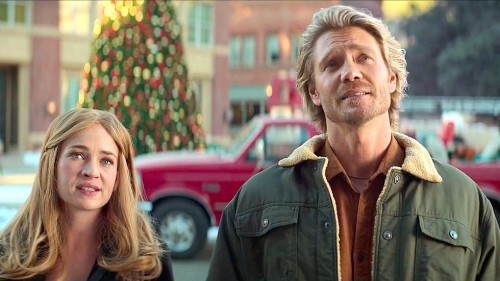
(188, 190)
(487, 176)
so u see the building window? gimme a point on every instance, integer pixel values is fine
(249, 51)
(15, 12)
(200, 26)
(234, 51)
(272, 49)
(197, 88)
(77, 17)
(71, 89)
(295, 47)
(242, 51)
(244, 111)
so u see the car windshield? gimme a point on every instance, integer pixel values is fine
(245, 135)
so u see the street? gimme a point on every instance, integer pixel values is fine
(196, 269)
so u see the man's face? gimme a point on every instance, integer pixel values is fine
(351, 80)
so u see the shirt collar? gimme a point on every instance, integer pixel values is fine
(394, 156)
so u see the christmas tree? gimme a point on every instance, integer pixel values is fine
(137, 71)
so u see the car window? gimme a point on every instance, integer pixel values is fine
(243, 137)
(278, 142)
(491, 152)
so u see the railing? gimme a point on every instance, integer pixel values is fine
(436, 104)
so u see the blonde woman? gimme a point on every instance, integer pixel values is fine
(81, 220)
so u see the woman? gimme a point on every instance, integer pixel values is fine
(81, 220)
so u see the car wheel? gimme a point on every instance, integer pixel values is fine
(183, 226)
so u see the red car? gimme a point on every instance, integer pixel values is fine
(188, 190)
(487, 176)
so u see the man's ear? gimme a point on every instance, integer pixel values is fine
(313, 93)
(392, 82)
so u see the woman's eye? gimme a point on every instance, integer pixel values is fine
(107, 161)
(76, 155)
(330, 65)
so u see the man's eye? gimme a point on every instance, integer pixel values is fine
(365, 58)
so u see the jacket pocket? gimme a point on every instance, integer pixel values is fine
(269, 239)
(443, 249)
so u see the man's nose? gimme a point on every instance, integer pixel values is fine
(350, 72)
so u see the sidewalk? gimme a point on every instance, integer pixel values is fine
(17, 173)
(18, 168)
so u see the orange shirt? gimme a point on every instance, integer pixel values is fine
(356, 211)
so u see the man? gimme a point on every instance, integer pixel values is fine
(361, 201)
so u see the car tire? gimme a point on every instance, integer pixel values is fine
(183, 225)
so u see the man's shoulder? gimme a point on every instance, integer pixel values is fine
(267, 183)
(277, 184)
(284, 176)
(452, 175)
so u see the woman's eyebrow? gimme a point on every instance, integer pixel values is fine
(107, 152)
(83, 147)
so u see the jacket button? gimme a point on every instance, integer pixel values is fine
(327, 224)
(396, 178)
(387, 235)
(453, 234)
(265, 223)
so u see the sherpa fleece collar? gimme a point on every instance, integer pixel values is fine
(417, 161)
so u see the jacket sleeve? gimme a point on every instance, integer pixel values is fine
(489, 263)
(227, 263)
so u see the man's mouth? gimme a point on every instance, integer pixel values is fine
(353, 94)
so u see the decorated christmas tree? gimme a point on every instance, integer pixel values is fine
(137, 71)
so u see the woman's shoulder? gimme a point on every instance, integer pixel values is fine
(166, 263)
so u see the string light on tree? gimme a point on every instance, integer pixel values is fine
(137, 71)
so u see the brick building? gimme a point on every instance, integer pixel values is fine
(45, 45)
(233, 50)
(263, 47)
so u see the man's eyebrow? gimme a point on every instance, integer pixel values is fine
(326, 56)
(350, 46)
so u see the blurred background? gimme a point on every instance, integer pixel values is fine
(234, 50)
(239, 59)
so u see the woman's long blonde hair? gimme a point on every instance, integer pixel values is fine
(335, 18)
(32, 242)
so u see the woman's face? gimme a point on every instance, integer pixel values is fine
(87, 169)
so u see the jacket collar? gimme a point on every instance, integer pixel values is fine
(417, 161)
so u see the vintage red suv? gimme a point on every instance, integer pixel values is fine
(487, 177)
(188, 190)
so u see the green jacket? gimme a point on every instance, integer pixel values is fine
(432, 223)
